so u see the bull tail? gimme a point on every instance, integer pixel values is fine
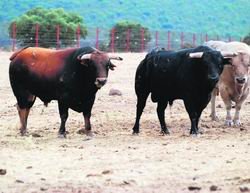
(141, 78)
(170, 107)
(17, 52)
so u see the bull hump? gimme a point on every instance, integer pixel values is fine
(43, 62)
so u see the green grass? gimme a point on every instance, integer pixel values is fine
(223, 17)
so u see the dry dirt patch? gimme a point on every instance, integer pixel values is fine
(114, 160)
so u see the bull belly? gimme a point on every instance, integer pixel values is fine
(156, 97)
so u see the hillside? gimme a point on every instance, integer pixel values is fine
(224, 17)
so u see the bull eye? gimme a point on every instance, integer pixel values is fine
(109, 65)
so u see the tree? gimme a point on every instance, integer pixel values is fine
(129, 33)
(48, 22)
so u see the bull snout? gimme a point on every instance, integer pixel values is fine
(100, 82)
(241, 80)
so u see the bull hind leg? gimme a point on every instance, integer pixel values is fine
(238, 105)
(141, 102)
(63, 111)
(161, 115)
(24, 103)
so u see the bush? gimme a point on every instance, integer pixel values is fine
(47, 20)
(122, 29)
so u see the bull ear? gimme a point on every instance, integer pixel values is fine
(195, 55)
(227, 57)
(84, 59)
(112, 66)
(227, 61)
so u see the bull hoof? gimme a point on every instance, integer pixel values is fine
(89, 133)
(237, 123)
(194, 132)
(135, 131)
(62, 135)
(214, 117)
(229, 123)
(81, 131)
(165, 132)
(195, 135)
(24, 133)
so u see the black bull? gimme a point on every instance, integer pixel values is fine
(189, 74)
(71, 76)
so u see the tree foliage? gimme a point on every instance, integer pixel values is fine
(129, 33)
(48, 21)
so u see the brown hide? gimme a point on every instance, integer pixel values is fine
(41, 61)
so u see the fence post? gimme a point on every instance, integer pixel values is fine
(240, 39)
(37, 35)
(57, 37)
(201, 38)
(97, 38)
(194, 40)
(142, 40)
(14, 36)
(218, 38)
(112, 45)
(206, 37)
(78, 36)
(169, 40)
(156, 38)
(182, 39)
(229, 39)
(128, 40)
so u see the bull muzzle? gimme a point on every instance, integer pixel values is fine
(100, 82)
(241, 79)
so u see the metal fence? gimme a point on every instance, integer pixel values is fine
(105, 39)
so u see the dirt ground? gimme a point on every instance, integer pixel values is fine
(114, 160)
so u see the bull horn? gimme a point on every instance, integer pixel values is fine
(195, 55)
(228, 54)
(85, 57)
(111, 57)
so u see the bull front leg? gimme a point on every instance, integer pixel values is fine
(194, 109)
(228, 121)
(87, 108)
(63, 110)
(228, 104)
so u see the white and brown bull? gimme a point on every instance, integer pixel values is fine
(234, 81)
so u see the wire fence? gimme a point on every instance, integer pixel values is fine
(111, 40)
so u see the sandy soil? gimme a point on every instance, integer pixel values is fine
(114, 160)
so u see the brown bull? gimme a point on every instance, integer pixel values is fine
(234, 82)
(71, 76)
